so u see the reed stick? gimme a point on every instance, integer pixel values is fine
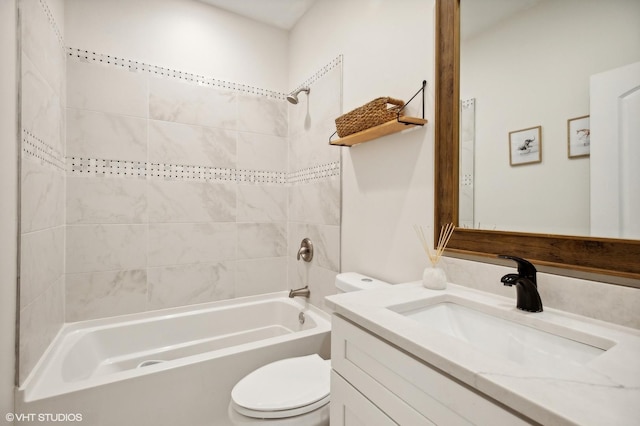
(446, 231)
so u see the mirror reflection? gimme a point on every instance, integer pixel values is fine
(570, 68)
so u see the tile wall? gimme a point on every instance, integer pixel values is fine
(315, 192)
(42, 206)
(145, 188)
(183, 190)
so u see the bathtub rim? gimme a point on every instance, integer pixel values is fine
(28, 394)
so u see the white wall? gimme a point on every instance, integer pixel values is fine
(533, 69)
(8, 197)
(387, 183)
(157, 31)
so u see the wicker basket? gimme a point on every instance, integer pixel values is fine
(369, 115)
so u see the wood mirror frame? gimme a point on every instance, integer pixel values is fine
(605, 259)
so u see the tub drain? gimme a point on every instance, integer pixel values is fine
(149, 362)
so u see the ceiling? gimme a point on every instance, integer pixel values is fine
(278, 13)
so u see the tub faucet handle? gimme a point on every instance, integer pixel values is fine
(306, 250)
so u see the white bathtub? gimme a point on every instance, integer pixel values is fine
(175, 366)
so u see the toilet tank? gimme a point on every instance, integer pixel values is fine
(353, 281)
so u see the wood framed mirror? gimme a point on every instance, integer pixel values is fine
(610, 260)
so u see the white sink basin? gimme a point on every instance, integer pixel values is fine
(549, 351)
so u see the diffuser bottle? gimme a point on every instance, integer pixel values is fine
(433, 276)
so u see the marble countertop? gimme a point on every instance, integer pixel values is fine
(604, 391)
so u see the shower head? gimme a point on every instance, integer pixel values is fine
(293, 97)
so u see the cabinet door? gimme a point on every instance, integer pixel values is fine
(350, 408)
(406, 389)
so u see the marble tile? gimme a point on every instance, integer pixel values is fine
(95, 248)
(101, 88)
(105, 294)
(259, 276)
(92, 200)
(328, 106)
(180, 201)
(262, 152)
(325, 239)
(299, 115)
(606, 302)
(478, 275)
(311, 148)
(256, 240)
(42, 113)
(41, 262)
(40, 43)
(316, 202)
(175, 143)
(93, 134)
(323, 105)
(40, 321)
(262, 203)
(260, 114)
(188, 284)
(311, 125)
(42, 196)
(184, 243)
(191, 104)
(321, 281)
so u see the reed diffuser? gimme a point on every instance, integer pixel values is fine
(434, 276)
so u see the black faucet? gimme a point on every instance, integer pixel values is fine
(526, 285)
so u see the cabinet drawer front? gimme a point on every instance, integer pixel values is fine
(372, 366)
(350, 408)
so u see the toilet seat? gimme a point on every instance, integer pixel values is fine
(285, 388)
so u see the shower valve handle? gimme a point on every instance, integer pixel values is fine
(306, 250)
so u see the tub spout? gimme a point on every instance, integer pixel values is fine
(304, 292)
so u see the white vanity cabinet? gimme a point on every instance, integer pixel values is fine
(376, 383)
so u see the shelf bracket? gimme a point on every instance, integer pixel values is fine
(424, 84)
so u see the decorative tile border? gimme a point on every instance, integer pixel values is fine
(136, 66)
(52, 21)
(77, 166)
(315, 173)
(321, 72)
(36, 148)
(93, 167)
(468, 103)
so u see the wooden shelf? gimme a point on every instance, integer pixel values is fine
(388, 128)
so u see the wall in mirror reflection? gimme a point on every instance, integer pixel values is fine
(532, 67)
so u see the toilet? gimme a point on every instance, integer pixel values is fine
(291, 391)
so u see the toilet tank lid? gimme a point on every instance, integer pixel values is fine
(353, 281)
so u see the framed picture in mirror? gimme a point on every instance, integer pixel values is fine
(578, 137)
(525, 146)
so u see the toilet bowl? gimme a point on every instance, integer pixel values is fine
(291, 391)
